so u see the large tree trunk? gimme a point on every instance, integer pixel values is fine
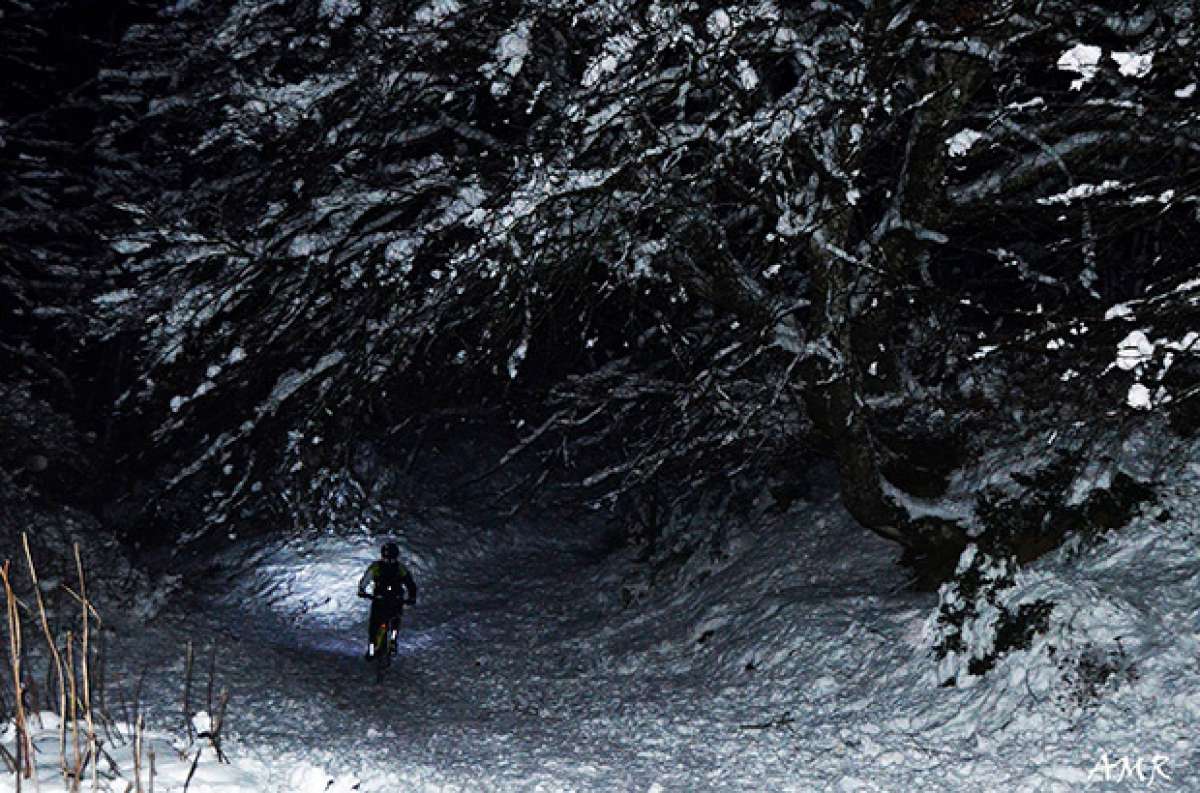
(857, 263)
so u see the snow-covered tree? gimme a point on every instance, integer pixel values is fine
(677, 241)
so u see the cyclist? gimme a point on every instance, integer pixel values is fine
(392, 587)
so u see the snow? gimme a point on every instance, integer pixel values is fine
(173, 760)
(128, 246)
(960, 143)
(338, 11)
(1139, 397)
(287, 105)
(916, 508)
(793, 659)
(1082, 59)
(746, 76)
(1132, 64)
(1096, 475)
(1165, 197)
(1134, 350)
(1082, 191)
(511, 51)
(719, 24)
(517, 357)
(1186, 344)
(305, 245)
(788, 225)
(1187, 92)
(202, 722)
(291, 382)
(617, 50)
(603, 66)
(434, 12)
(1119, 311)
(513, 48)
(115, 297)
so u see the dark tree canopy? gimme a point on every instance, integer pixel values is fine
(682, 249)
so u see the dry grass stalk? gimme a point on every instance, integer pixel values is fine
(192, 770)
(187, 693)
(137, 754)
(87, 670)
(55, 655)
(212, 676)
(77, 765)
(77, 686)
(24, 758)
(218, 722)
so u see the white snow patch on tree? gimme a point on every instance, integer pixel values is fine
(1082, 191)
(1134, 350)
(1131, 64)
(514, 361)
(304, 245)
(616, 51)
(130, 246)
(788, 225)
(917, 508)
(402, 251)
(1096, 475)
(511, 51)
(606, 64)
(112, 298)
(1163, 198)
(435, 12)
(1187, 92)
(291, 382)
(1139, 397)
(719, 24)
(1119, 311)
(1186, 344)
(1084, 60)
(747, 77)
(960, 143)
(338, 11)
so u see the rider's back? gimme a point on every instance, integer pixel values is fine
(388, 577)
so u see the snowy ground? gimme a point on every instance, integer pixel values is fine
(796, 663)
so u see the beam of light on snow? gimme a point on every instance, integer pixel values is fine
(304, 596)
(316, 583)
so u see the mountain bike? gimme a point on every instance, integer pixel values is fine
(383, 645)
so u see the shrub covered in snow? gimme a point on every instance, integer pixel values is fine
(977, 620)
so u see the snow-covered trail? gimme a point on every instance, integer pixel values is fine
(795, 661)
(520, 672)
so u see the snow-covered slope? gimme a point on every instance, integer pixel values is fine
(792, 660)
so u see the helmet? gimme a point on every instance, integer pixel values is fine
(390, 551)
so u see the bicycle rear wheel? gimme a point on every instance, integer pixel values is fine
(383, 658)
(381, 665)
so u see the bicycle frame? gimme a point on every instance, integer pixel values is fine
(385, 637)
(383, 648)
